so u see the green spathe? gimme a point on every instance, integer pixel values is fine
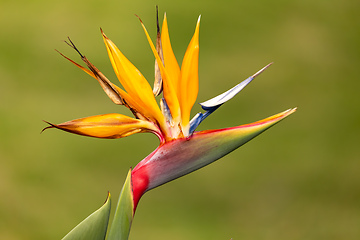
(182, 156)
(124, 213)
(94, 227)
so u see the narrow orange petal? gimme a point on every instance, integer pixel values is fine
(110, 126)
(133, 81)
(168, 85)
(170, 62)
(114, 92)
(189, 79)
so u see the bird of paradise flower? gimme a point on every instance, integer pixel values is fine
(181, 149)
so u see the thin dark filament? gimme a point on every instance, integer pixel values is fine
(72, 45)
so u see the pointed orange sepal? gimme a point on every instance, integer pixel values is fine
(109, 126)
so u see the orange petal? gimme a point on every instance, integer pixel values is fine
(189, 79)
(133, 81)
(118, 95)
(168, 84)
(170, 62)
(107, 126)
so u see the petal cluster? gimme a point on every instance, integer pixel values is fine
(170, 119)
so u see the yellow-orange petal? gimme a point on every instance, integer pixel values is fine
(170, 62)
(110, 126)
(133, 81)
(189, 79)
(168, 84)
(115, 93)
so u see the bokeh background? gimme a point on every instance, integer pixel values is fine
(299, 180)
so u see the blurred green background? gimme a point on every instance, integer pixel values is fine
(299, 180)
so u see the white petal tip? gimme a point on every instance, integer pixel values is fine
(261, 70)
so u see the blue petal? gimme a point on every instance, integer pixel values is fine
(211, 105)
(226, 96)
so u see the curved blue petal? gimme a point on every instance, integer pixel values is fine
(226, 96)
(211, 105)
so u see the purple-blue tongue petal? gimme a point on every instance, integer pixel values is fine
(211, 105)
(226, 96)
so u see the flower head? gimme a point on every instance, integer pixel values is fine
(181, 149)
